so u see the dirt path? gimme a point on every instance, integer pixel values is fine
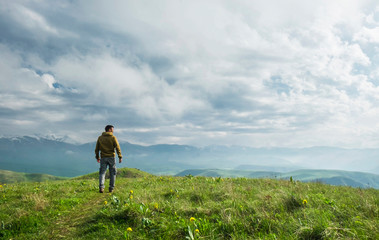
(67, 225)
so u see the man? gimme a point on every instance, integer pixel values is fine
(106, 144)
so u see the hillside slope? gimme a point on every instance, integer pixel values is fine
(11, 177)
(122, 172)
(151, 207)
(333, 177)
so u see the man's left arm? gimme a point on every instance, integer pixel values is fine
(97, 149)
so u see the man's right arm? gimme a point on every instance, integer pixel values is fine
(97, 149)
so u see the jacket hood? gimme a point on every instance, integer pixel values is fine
(107, 134)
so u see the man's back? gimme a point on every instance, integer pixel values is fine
(106, 143)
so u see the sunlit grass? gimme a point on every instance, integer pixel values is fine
(151, 207)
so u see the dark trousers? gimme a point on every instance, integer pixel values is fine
(104, 163)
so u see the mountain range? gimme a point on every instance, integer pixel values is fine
(59, 158)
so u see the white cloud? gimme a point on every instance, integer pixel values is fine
(29, 19)
(261, 73)
(49, 80)
(368, 35)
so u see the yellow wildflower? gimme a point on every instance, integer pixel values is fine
(197, 230)
(131, 197)
(156, 205)
(129, 229)
(1, 186)
(192, 219)
(131, 191)
(305, 201)
(105, 202)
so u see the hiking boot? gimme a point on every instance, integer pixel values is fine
(101, 190)
(110, 190)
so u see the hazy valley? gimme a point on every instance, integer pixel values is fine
(58, 158)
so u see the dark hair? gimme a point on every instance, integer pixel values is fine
(108, 127)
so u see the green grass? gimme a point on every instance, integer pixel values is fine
(154, 207)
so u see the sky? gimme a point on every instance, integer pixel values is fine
(253, 73)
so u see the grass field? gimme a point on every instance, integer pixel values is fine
(144, 206)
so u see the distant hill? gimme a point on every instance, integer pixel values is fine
(333, 177)
(12, 177)
(15, 177)
(121, 173)
(228, 173)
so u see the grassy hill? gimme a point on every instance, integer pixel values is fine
(144, 206)
(11, 177)
(333, 177)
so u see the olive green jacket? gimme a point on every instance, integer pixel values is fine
(106, 144)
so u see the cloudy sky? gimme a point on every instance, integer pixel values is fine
(267, 73)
